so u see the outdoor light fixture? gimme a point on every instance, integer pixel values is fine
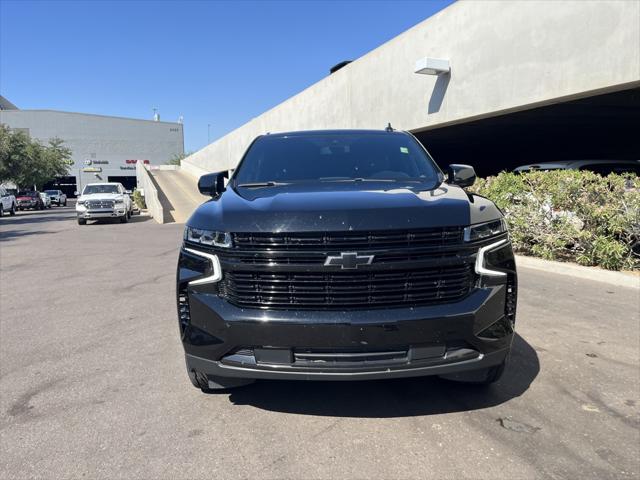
(432, 66)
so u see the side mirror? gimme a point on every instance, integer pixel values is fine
(128, 192)
(461, 175)
(76, 193)
(212, 184)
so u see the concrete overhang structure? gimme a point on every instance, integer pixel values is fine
(504, 57)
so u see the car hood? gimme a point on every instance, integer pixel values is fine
(341, 207)
(101, 196)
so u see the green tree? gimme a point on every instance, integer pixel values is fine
(177, 158)
(27, 162)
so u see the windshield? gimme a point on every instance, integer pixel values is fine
(90, 189)
(51, 192)
(349, 156)
(27, 194)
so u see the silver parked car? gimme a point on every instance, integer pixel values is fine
(57, 197)
(46, 200)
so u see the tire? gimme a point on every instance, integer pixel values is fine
(12, 212)
(124, 218)
(1, 211)
(82, 221)
(65, 203)
(484, 376)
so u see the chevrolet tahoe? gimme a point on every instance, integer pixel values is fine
(344, 255)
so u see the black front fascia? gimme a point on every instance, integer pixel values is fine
(216, 327)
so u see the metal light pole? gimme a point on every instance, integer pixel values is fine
(208, 133)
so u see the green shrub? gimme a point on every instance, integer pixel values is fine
(570, 215)
(139, 199)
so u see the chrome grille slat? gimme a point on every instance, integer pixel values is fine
(100, 204)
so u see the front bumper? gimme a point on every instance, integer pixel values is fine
(89, 214)
(227, 341)
(470, 333)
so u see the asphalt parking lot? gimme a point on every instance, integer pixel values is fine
(93, 384)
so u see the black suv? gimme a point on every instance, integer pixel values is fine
(344, 255)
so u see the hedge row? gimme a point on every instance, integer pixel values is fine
(571, 215)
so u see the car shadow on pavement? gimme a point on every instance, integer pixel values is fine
(112, 221)
(392, 398)
(13, 234)
(38, 217)
(140, 218)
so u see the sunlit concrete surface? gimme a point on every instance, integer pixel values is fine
(504, 56)
(93, 382)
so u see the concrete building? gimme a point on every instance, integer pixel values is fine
(103, 148)
(529, 81)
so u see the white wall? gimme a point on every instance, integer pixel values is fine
(504, 56)
(102, 138)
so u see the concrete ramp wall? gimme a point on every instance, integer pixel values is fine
(504, 56)
(154, 206)
(177, 192)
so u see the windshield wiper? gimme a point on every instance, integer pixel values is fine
(262, 184)
(338, 179)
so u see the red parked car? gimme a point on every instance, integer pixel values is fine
(27, 199)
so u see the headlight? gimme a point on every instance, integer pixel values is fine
(207, 237)
(484, 230)
(481, 266)
(80, 202)
(216, 271)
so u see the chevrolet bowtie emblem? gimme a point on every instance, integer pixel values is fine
(348, 260)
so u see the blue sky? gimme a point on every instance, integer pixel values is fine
(218, 63)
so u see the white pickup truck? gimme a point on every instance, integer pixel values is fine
(103, 200)
(7, 202)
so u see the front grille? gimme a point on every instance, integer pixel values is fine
(100, 204)
(283, 258)
(432, 237)
(287, 270)
(311, 249)
(338, 290)
(333, 358)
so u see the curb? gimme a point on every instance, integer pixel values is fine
(620, 279)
